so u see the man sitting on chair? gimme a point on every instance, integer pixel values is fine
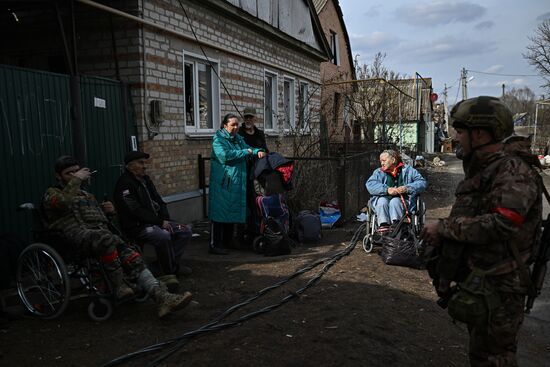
(392, 186)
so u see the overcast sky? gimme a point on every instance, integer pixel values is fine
(438, 38)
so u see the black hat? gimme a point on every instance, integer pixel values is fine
(133, 155)
(63, 162)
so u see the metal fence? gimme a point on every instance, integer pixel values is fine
(317, 179)
(35, 125)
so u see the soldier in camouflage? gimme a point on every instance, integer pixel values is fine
(497, 212)
(82, 221)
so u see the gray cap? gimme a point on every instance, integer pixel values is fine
(249, 111)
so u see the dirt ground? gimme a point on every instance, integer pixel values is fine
(361, 313)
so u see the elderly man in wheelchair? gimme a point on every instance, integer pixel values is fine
(79, 219)
(394, 189)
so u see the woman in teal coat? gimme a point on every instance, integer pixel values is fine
(227, 196)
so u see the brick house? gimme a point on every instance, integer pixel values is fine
(187, 63)
(337, 74)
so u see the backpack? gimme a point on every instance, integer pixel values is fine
(308, 226)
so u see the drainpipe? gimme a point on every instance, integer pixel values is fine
(77, 127)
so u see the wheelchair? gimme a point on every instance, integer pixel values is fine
(46, 282)
(415, 220)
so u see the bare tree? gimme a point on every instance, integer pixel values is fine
(538, 52)
(521, 100)
(376, 102)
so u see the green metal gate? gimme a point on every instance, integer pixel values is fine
(35, 128)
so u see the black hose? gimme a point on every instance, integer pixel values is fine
(216, 324)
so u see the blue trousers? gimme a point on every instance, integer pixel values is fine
(388, 210)
(168, 246)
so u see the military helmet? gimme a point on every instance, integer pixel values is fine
(484, 112)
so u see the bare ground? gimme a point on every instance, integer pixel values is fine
(361, 313)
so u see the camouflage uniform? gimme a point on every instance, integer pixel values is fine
(498, 205)
(499, 182)
(78, 216)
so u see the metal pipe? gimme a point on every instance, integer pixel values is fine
(381, 80)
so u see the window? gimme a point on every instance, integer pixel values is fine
(334, 47)
(201, 94)
(346, 112)
(270, 101)
(304, 105)
(289, 104)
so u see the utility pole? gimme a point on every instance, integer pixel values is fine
(503, 89)
(445, 108)
(464, 84)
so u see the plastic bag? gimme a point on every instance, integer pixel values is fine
(329, 213)
(402, 252)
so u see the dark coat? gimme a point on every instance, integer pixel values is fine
(138, 204)
(256, 140)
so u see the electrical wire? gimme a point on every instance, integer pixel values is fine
(208, 60)
(217, 323)
(498, 74)
(457, 90)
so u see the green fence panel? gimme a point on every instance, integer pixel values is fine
(107, 136)
(35, 128)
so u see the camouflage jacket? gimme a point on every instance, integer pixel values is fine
(70, 207)
(498, 203)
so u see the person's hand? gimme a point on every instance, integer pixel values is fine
(430, 235)
(392, 191)
(166, 226)
(402, 190)
(83, 174)
(261, 154)
(108, 207)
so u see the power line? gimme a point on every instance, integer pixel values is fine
(498, 74)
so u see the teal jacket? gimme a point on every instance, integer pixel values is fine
(227, 196)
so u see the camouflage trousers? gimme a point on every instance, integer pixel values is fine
(496, 345)
(111, 250)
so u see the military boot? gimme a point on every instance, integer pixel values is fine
(168, 302)
(121, 290)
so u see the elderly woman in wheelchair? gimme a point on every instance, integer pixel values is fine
(394, 190)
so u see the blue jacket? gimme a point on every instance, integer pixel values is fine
(412, 179)
(227, 196)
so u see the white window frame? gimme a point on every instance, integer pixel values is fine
(291, 123)
(335, 48)
(304, 105)
(195, 59)
(274, 102)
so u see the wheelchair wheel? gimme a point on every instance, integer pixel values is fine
(100, 309)
(259, 244)
(42, 281)
(368, 244)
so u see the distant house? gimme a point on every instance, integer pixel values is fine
(396, 112)
(186, 66)
(337, 74)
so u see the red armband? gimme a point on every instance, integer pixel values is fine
(109, 258)
(510, 214)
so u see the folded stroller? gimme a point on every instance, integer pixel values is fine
(272, 180)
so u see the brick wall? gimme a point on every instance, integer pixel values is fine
(174, 154)
(151, 62)
(331, 73)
